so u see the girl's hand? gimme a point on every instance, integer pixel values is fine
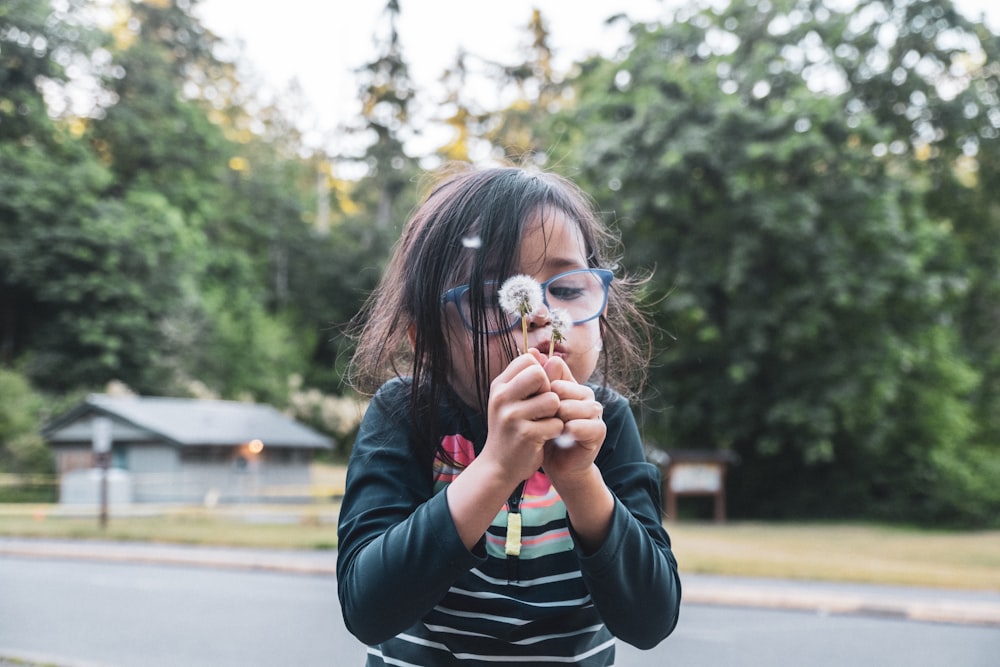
(572, 454)
(522, 416)
(571, 469)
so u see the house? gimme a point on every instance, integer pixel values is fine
(174, 450)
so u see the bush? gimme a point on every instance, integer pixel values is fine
(22, 449)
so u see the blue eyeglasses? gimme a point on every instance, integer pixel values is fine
(583, 293)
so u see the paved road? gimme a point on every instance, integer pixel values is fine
(93, 604)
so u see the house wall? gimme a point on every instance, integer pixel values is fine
(154, 469)
(162, 473)
(211, 475)
(142, 459)
(211, 483)
(172, 451)
(83, 487)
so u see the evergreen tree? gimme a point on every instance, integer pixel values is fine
(387, 96)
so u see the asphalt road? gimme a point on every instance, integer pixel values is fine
(90, 613)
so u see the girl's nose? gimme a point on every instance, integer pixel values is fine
(538, 318)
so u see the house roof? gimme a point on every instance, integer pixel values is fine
(186, 422)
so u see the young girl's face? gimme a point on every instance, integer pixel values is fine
(552, 245)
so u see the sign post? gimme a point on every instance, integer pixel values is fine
(697, 473)
(101, 439)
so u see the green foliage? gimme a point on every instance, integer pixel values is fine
(22, 449)
(32, 34)
(93, 278)
(804, 284)
(157, 136)
(241, 350)
(815, 190)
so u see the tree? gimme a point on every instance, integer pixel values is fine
(37, 42)
(528, 91)
(177, 129)
(804, 283)
(930, 76)
(50, 203)
(99, 278)
(22, 449)
(340, 269)
(153, 227)
(540, 92)
(157, 134)
(461, 114)
(387, 95)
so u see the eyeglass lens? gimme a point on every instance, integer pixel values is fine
(582, 294)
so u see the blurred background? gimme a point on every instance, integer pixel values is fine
(814, 188)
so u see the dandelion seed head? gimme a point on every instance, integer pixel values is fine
(560, 322)
(520, 295)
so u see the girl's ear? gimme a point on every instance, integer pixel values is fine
(411, 333)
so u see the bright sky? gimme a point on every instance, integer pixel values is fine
(319, 43)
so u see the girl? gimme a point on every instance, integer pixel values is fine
(498, 507)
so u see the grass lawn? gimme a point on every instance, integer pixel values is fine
(856, 552)
(269, 526)
(867, 553)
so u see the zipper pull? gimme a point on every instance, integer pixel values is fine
(513, 545)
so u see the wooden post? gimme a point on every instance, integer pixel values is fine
(101, 439)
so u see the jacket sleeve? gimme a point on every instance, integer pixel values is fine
(633, 576)
(398, 549)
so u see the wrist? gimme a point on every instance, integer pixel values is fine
(584, 493)
(577, 482)
(589, 506)
(475, 497)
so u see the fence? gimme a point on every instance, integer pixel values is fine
(196, 486)
(28, 488)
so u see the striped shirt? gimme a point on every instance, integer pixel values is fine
(411, 590)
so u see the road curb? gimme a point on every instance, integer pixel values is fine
(923, 604)
(933, 606)
(293, 562)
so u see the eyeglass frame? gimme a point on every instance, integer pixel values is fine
(606, 276)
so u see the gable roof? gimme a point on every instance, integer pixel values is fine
(185, 422)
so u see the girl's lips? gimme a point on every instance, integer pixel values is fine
(543, 347)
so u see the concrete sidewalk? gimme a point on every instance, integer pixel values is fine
(918, 604)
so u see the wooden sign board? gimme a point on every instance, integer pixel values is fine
(696, 478)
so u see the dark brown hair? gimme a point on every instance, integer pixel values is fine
(467, 230)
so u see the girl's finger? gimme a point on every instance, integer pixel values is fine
(556, 369)
(569, 390)
(522, 378)
(537, 354)
(570, 410)
(586, 433)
